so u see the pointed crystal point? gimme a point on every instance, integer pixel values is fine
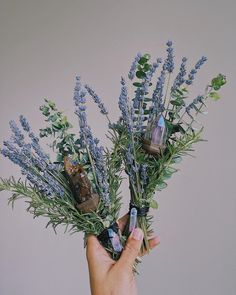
(155, 135)
(115, 240)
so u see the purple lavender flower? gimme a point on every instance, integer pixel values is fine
(90, 142)
(143, 173)
(126, 109)
(158, 93)
(134, 65)
(169, 62)
(24, 123)
(33, 165)
(18, 137)
(129, 157)
(34, 140)
(97, 100)
(179, 80)
(141, 91)
(192, 105)
(193, 72)
(149, 75)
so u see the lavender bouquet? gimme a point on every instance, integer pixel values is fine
(81, 188)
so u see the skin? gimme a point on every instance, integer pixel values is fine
(109, 277)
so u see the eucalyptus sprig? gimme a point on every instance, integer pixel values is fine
(64, 142)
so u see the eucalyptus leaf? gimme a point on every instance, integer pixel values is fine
(140, 74)
(137, 84)
(146, 67)
(161, 185)
(214, 95)
(153, 204)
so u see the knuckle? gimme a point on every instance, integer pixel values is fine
(131, 248)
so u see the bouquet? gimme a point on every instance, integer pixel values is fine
(80, 188)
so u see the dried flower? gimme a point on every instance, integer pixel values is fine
(179, 80)
(97, 100)
(125, 107)
(169, 62)
(193, 72)
(134, 65)
(91, 142)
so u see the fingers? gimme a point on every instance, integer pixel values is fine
(153, 242)
(131, 249)
(95, 251)
(93, 246)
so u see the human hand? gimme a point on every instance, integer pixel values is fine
(109, 277)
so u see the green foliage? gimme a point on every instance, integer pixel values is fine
(57, 210)
(218, 82)
(181, 137)
(64, 143)
(214, 95)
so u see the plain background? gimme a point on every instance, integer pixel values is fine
(43, 45)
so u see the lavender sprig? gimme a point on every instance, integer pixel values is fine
(179, 80)
(17, 136)
(125, 107)
(157, 96)
(97, 100)
(95, 152)
(32, 167)
(134, 65)
(143, 173)
(169, 62)
(140, 94)
(34, 139)
(193, 104)
(194, 71)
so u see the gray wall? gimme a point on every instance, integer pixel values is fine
(44, 44)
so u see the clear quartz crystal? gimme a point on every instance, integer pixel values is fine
(133, 219)
(115, 240)
(155, 135)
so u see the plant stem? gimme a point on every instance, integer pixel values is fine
(167, 90)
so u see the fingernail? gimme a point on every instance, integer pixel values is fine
(157, 240)
(137, 234)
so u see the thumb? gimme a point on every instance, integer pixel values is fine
(131, 249)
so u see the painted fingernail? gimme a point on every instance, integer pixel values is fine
(137, 234)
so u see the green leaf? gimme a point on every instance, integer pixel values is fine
(179, 91)
(59, 158)
(147, 99)
(218, 82)
(214, 95)
(137, 84)
(45, 110)
(147, 56)
(184, 89)
(176, 159)
(52, 105)
(140, 74)
(176, 102)
(142, 60)
(153, 204)
(56, 125)
(146, 67)
(161, 185)
(53, 118)
(146, 112)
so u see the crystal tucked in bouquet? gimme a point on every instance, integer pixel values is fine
(81, 188)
